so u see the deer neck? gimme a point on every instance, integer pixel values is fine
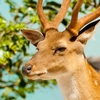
(80, 84)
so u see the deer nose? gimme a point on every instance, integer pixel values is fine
(26, 69)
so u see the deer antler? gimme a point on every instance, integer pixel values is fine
(76, 24)
(88, 18)
(75, 14)
(58, 18)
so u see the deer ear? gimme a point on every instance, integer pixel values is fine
(33, 36)
(85, 35)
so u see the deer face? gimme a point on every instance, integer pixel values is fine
(58, 51)
(51, 58)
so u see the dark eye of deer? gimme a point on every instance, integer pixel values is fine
(60, 49)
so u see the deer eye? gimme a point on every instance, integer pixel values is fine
(60, 49)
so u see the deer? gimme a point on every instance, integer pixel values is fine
(61, 55)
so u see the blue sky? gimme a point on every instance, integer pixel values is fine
(92, 49)
(4, 9)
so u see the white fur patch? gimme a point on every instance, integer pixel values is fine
(96, 82)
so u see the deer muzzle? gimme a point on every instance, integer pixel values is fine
(30, 71)
(26, 70)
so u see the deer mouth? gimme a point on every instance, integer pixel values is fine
(38, 73)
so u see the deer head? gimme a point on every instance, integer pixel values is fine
(58, 52)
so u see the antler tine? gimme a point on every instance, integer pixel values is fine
(75, 17)
(88, 18)
(75, 13)
(58, 18)
(41, 14)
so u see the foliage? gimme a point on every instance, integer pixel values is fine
(14, 47)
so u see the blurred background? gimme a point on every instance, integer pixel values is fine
(15, 50)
